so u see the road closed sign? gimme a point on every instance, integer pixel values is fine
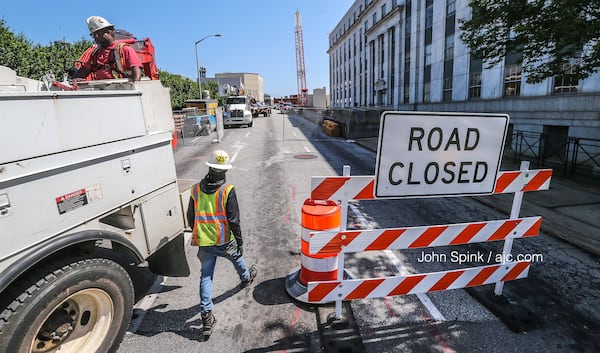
(438, 154)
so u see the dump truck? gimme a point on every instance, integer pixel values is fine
(87, 188)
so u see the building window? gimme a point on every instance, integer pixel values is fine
(381, 56)
(449, 51)
(375, 18)
(366, 26)
(426, 91)
(512, 74)
(428, 54)
(392, 80)
(383, 11)
(475, 84)
(429, 14)
(566, 83)
(447, 90)
(450, 7)
(407, 38)
(512, 80)
(372, 71)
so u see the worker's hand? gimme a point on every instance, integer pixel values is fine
(240, 242)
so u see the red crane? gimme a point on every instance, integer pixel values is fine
(300, 70)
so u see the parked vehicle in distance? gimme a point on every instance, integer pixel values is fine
(259, 108)
(285, 107)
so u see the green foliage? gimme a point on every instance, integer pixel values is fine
(34, 61)
(181, 88)
(15, 50)
(212, 87)
(549, 34)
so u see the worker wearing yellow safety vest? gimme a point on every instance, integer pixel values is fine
(213, 212)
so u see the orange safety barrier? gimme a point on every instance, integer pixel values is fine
(317, 215)
(331, 128)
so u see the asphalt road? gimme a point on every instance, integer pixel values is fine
(556, 309)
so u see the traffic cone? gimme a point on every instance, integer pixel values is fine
(316, 216)
(175, 140)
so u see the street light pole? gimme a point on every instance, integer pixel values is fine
(197, 67)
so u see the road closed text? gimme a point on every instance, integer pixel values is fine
(433, 154)
(432, 140)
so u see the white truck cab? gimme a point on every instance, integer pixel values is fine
(237, 111)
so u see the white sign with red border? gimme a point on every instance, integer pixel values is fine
(423, 154)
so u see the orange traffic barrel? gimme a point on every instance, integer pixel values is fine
(317, 215)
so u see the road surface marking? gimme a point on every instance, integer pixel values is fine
(433, 310)
(146, 303)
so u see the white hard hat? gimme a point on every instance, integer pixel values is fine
(96, 23)
(219, 159)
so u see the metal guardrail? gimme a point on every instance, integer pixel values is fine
(571, 155)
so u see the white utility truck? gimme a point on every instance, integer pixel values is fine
(87, 188)
(237, 107)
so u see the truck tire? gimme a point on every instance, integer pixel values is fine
(81, 306)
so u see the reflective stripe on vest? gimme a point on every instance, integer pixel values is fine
(210, 222)
(116, 63)
(120, 59)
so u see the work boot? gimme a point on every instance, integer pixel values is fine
(253, 272)
(208, 322)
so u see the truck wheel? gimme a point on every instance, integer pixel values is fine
(76, 306)
(251, 123)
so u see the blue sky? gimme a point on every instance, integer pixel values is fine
(257, 36)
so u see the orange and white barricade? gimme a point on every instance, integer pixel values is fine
(345, 188)
(320, 215)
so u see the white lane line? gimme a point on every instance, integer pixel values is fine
(427, 303)
(234, 157)
(247, 134)
(146, 303)
(306, 149)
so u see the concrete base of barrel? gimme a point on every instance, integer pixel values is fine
(297, 290)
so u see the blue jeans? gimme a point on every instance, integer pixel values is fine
(208, 258)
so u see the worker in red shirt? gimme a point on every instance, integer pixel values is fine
(108, 58)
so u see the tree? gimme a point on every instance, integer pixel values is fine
(15, 50)
(212, 87)
(556, 37)
(182, 88)
(34, 61)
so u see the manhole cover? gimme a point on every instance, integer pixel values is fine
(305, 156)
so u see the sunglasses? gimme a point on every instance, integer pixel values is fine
(100, 32)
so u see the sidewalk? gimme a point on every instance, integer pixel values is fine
(570, 210)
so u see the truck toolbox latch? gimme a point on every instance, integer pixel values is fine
(4, 204)
(126, 165)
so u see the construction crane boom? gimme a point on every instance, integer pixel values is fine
(300, 69)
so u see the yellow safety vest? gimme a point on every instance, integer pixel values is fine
(210, 222)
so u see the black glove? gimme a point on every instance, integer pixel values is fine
(71, 72)
(240, 243)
